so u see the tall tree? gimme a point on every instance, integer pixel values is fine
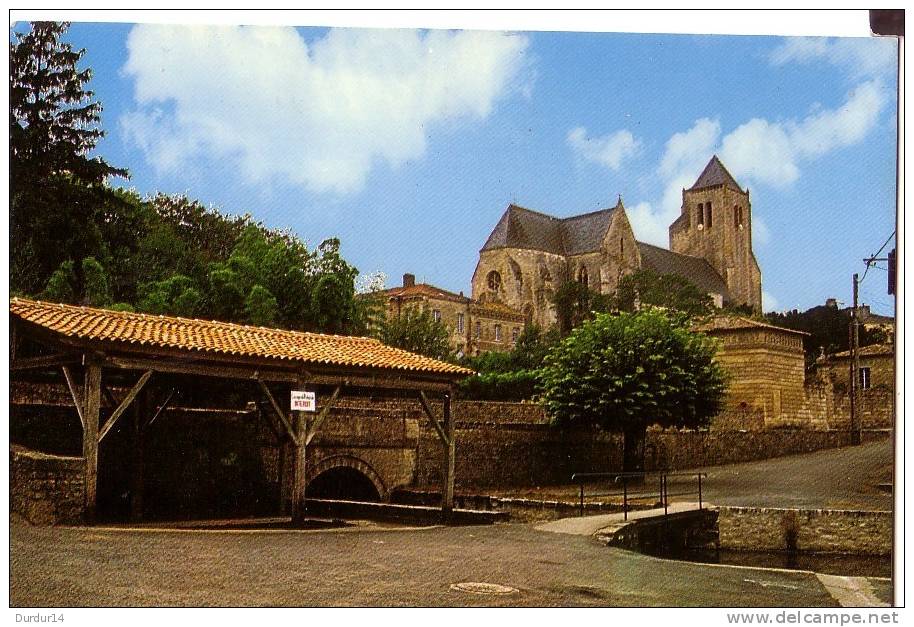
(627, 371)
(672, 291)
(56, 188)
(417, 331)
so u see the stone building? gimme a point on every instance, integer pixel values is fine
(530, 254)
(474, 326)
(876, 381)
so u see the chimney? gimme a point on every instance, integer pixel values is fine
(409, 280)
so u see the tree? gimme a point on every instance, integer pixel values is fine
(646, 287)
(417, 331)
(55, 187)
(625, 372)
(574, 303)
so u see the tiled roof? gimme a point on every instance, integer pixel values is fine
(730, 323)
(716, 174)
(222, 338)
(532, 230)
(695, 269)
(872, 349)
(426, 290)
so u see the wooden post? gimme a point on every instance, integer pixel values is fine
(92, 398)
(299, 466)
(140, 408)
(447, 492)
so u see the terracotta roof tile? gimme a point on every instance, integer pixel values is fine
(424, 289)
(732, 323)
(872, 349)
(88, 323)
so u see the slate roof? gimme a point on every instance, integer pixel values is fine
(222, 338)
(695, 269)
(426, 290)
(523, 228)
(716, 174)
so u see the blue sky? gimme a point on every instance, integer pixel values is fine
(408, 145)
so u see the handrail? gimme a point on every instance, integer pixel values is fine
(584, 478)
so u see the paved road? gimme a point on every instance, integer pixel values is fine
(843, 478)
(98, 567)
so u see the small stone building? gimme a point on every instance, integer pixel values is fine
(530, 254)
(474, 326)
(876, 381)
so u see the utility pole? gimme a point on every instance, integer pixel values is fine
(854, 340)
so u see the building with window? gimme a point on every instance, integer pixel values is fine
(530, 254)
(474, 327)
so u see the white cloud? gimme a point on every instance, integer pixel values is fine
(769, 302)
(610, 150)
(761, 234)
(318, 115)
(769, 152)
(860, 57)
(690, 150)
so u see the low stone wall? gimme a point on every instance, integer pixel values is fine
(819, 531)
(46, 489)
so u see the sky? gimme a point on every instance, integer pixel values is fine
(408, 145)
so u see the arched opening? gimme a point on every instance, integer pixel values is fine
(343, 483)
(494, 281)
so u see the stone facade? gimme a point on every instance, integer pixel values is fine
(474, 326)
(530, 254)
(46, 489)
(876, 381)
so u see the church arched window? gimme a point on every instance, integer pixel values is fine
(582, 276)
(494, 281)
(708, 219)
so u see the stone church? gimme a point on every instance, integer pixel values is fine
(530, 254)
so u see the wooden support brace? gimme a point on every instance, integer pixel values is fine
(315, 425)
(77, 397)
(450, 449)
(124, 404)
(161, 409)
(431, 416)
(279, 412)
(45, 361)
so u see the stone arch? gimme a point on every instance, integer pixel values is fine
(349, 462)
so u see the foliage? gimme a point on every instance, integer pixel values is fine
(574, 303)
(509, 376)
(828, 329)
(625, 372)
(672, 291)
(417, 331)
(95, 283)
(54, 184)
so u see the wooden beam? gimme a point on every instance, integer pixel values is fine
(431, 416)
(124, 404)
(44, 361)
(90, 438)
(161, 409)
(300, 465)
(201, 369)
(325, 411)
(279, 412)
(450, 449)
(77, 397)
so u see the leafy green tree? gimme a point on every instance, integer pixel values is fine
(60, 286)
(626, 372)
(646, 287)
(177, 295)
(54, 183)
(574, 303)
(417, 331)
(260, 307)
(95, 282)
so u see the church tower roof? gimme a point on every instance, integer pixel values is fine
(714, 174)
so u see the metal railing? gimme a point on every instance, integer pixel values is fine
(637, 480)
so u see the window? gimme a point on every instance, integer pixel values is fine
(494, 281)
(436, 314)
(864, 378)
(737, 216)
(460, 323)
(498, 333)
(701, 214)
(515, 333)
(708, 220)
(582, 276)
(621, 246)
(477, 331)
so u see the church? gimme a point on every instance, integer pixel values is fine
(530, 254)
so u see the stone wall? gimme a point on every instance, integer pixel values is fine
(823, 531)
(46, 489)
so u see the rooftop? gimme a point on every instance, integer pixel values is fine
(714, 174)
(222, 338)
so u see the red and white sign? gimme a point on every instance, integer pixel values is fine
(303, 401)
